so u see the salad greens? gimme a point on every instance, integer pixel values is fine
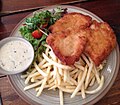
(42, 20)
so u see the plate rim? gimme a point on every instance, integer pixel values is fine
(117, 53)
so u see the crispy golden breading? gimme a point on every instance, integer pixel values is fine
(71, 21)
(101, 42)
(66, 39)
(67, 45)
(73, 35)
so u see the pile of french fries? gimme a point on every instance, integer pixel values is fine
(50, 73)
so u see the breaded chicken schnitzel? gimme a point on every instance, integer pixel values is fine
(71, 21)
(101, 42)
(67, 45)
(76, 33)
(66, 39)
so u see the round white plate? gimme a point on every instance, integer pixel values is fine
(51, 97)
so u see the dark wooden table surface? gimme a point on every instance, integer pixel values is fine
(108, 10)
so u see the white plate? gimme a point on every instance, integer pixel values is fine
(51, 97)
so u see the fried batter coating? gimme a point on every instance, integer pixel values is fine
(101, 42)
(76, 33)
(71, 21)
(67, 45)
(66, 38)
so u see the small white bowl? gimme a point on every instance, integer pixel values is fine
(29, 48)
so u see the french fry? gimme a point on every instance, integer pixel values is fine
(88, 74)
(50, 81)
(52, 84)
(56, 64)
(92, 81)
(96, 75)
(65, 84)
(35, 74)
(33, 85)
(28, 78)
(70, 86)
(45, 65)
(65, 76)
(59, 69)
(54, 58)
(79, 66)
(65, 89)
(80, 76)
(75, 76)
(46, 51)
(39, 70)
(98, 88)
(53, 87)
(83, 91)
(85, 59)
(80, 83)
(38, 77)
(58, 78)
(42, 62)
(24, 76)
(74, 82)
(73, 71)
(61, 97)
(44, 82)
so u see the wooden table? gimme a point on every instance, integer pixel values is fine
(108, 10)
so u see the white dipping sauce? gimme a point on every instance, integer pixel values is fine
(15, 55)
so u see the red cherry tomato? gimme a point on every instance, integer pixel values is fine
(37, 34)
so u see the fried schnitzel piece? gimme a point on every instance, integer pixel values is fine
(66, 38)
(71, 21)
(67, 45)
(101, 41)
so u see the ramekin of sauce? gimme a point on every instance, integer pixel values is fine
(16, 55)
